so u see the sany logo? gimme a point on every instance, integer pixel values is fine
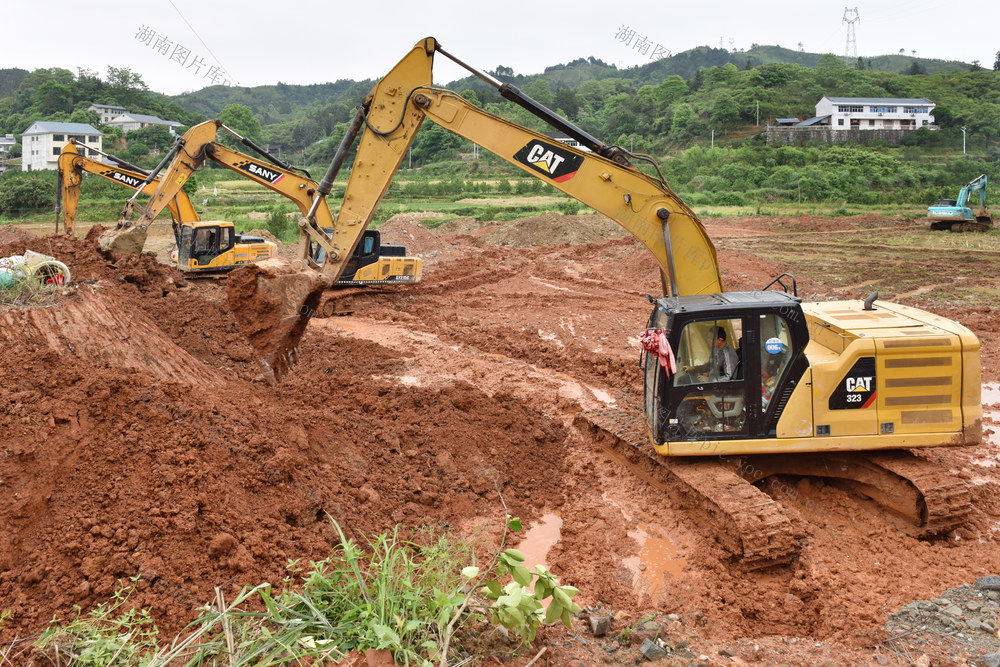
(859, 384)
(270, 175)
(128, 180)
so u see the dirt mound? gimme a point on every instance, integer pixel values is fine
(540, 230)
(14, 234)
(264, 234)
(406, 230)
(94, 325)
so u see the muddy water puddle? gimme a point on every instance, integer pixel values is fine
(991, 426)
(658, 560)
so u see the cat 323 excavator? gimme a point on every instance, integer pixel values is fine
(853, 391)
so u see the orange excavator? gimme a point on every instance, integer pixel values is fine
(844, 390)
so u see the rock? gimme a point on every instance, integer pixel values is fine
(650, 626)
(973, 606)
(599, 625)
(990, 583)
(923, 661)
(650, 651)
(989, 627)
(952, 611)
(941, 602)
(881, 659)
(992, 659)
(974, 624)
(221, 544)
(673, 617)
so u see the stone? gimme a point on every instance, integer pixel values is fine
(650, 651)
(941, 602)
(952, 611)
(990, 583)
(600, 624)
(923, 661)
(974, 624)
(989, 627)
(992, 659)
(973, 606)
(650, 626)
(673, 617)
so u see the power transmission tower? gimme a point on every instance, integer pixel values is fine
(851, 52)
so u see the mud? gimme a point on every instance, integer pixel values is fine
(139, 438)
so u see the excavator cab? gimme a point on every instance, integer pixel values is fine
(201, 245)
(738, 357)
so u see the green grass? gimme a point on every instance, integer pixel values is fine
(387, 593)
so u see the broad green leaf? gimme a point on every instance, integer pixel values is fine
(492, 589)
(470, 572)
(514, 523)
(560, 595)
(567, 618)
(569, 590)
(553, 613)
(514, 555)
(522, 575)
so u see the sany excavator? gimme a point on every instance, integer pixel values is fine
(956, 215)
(815, 389)
(371, 262)
(203, 248)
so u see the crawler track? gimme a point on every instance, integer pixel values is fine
(747, 522)
(751, 525)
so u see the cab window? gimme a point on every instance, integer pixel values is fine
(709, 351)
(775, 355)
(368, 245)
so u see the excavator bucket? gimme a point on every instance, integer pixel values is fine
(272, 302)
(123, 240)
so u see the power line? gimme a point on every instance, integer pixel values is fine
(207, 47)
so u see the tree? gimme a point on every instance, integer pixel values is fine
(684, 119)
(566, 101)
(241, 120)
(725, 112)
(996, 63)
(53, 98)
(540, 91)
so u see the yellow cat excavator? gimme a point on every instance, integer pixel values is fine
(810, 389)
(371, 263)
(203, 248)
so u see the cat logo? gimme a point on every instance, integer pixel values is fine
(549, 160)
(859, 384)
(272, 176)
(125, 179)
(856, 390)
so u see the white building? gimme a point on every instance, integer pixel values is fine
(42, 142)
(107, 112)
(874, 113)
(134, 121)
(7, 142)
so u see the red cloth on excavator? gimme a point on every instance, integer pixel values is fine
(655, 342)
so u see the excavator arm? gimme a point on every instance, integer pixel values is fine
(602, 178)
(72, 166)
(185, 157)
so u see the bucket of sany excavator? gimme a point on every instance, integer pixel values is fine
(123, 240)
(272, 302)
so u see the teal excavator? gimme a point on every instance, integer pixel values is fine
(955, 214)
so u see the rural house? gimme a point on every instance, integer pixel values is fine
(107, 112)
(42, 142)
(876, 113)
(134, 121)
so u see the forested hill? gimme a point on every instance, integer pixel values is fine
(274, 103)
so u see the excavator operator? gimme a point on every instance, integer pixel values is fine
(721, 366)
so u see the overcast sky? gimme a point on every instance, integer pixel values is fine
(306, 41)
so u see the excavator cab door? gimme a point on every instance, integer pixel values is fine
(738, 355)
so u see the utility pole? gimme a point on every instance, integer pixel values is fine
(851, 51)
(963, 140)
(713, 139)
(756, 122)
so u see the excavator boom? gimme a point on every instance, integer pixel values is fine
(72, 166)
